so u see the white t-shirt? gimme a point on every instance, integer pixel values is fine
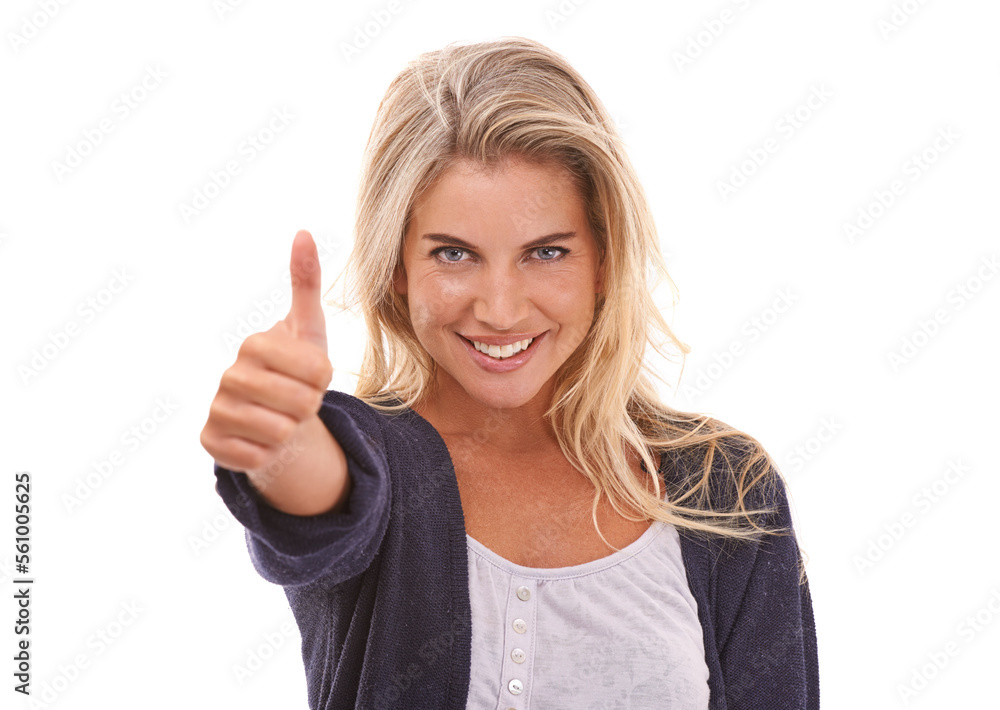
(617, 633)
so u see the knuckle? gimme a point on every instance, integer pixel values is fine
(241, 379)
(285, 429)
(232, 379)
(206, 441)
(254, 460)
(248, 346)
(215, 414)
(320, 370)
(303, 402)
(255, 344)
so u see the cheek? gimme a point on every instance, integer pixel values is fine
(423, 314)
(573, 310)
(433, 302)
(569, 299)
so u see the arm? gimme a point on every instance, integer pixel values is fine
(311, 489)
(768, 653)
(290, 549)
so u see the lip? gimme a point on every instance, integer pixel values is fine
(501, 340)
(507, 364)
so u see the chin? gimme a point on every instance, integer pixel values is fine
(502, 396)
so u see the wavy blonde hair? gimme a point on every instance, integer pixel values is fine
(515, 98)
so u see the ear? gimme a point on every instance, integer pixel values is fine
(399, 280)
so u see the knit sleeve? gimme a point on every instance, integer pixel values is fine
(291, 549)
(767, 643)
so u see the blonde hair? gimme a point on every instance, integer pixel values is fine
(515, 98)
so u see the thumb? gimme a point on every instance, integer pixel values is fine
(306, 316)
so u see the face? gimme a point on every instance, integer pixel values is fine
(499, 258)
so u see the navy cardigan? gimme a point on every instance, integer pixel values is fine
(380, 591)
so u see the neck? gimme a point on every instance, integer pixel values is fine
(510, 430)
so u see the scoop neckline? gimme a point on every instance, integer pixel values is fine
(503, 563)
(571, 571)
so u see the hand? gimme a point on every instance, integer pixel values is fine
(279, 378)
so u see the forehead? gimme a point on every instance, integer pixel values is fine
(516, 195)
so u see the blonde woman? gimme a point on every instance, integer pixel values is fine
(504, 514)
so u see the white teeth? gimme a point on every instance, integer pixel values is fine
(501, 352)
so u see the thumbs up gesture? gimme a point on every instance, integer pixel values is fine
(306, 319)
(274, 390)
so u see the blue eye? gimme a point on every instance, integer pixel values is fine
(560, 251)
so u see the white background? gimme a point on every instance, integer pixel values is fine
(872, 434)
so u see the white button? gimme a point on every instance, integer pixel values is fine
(523, 593)
(519, 626)
(515, 687)
(518, 655)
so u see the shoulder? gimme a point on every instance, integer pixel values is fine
(386, 424)
(723, 469)
(354, 406)
(371, 414)
(743, 477)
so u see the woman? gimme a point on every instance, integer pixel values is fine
(478, 526)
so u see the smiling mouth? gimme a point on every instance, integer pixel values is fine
(501, 352)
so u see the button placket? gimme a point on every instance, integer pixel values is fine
(519, 642)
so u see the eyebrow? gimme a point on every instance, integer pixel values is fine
(541, 241)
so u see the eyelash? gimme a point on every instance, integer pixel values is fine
(563, 252)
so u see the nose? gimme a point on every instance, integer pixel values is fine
(501, 300)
